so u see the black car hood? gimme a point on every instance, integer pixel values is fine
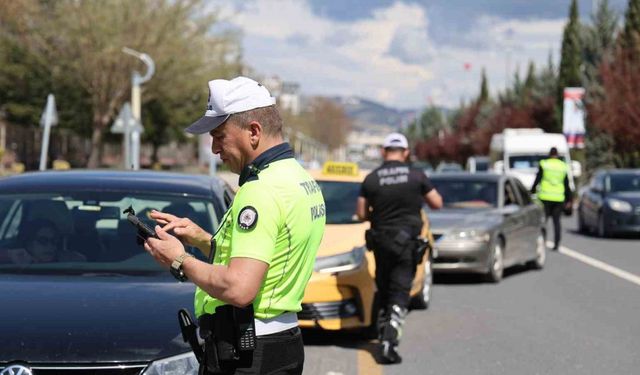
(447, 219)
(632, 197)
(79, 319)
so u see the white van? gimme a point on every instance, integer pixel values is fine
(518, 152)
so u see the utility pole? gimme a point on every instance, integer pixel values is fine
(136, 106)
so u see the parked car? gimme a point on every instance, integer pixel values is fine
(424, 165)
(446, 167)
(96, 303)
(611, 203)
(478, 164)
(488, 222)
(341, 291)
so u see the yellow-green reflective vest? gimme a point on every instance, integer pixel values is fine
(554, 172)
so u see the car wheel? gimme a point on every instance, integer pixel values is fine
(496, 268)
(602, 229)
(582, 226)
(541, 253)
(422, 299)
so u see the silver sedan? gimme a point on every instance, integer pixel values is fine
(488, 223)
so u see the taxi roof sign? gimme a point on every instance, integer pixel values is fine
(340, 168)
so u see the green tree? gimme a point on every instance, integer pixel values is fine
(598, 46)
(570, 74)
(80, 46)
(547, 80)
(428, 124)
(484, 88)
(530, 81)
(630, 36)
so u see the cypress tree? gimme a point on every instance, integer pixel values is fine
(571, 58)
(599, 42)
(484, 88)
(630, 38)
(530, 80)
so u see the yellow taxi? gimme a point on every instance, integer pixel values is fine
(341, 291)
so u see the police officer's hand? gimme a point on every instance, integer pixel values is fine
(165, 249)
(184, 228)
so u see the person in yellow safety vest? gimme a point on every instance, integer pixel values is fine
(554, 192)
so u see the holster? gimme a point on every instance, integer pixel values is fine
(421, 246)
(398, 240)
(370, 239)
(226, 334)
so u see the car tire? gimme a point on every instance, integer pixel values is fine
(541, 253)
(602, 229)
(582, 226)
(496, 265)
(421, 300)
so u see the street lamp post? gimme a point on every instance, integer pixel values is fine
(136, 105)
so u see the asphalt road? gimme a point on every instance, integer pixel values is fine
(569, 318)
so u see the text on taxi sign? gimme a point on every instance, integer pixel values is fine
(343, 169)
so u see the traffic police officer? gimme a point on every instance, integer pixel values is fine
(266, 244)
(555, 192)
(391, 197)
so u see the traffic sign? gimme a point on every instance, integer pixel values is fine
(125, 122)
(50, 113)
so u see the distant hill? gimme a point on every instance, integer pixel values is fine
(369, 115)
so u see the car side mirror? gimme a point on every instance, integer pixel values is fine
(498, 166)
(576, 168)
(510, 209)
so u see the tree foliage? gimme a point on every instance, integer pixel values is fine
(617, 113)
(484, 88)
(599, 40)
(323, 119)
(630, 36)
(76, 46)
(571, 57)
(430, 122)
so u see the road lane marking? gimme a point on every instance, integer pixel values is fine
(600, 265)
(367, 365)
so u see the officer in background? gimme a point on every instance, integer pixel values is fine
(391, 197)
(555, 192)
(265, 247)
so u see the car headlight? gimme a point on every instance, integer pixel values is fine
(342, 262)
(468, 235)
(618, 205)
(183, 364)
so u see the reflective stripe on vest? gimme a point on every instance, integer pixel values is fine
(554, 172)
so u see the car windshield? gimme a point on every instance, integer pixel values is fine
(86, 232)
(340, 199)
(467, 194)
(527, 161)
(624, 182)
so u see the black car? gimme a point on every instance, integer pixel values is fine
(611, 203)
(78, 294)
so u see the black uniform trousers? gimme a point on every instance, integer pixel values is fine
(280, 353)
(395, 270)
(554, 209)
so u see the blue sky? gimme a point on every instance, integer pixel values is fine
(404, 54)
